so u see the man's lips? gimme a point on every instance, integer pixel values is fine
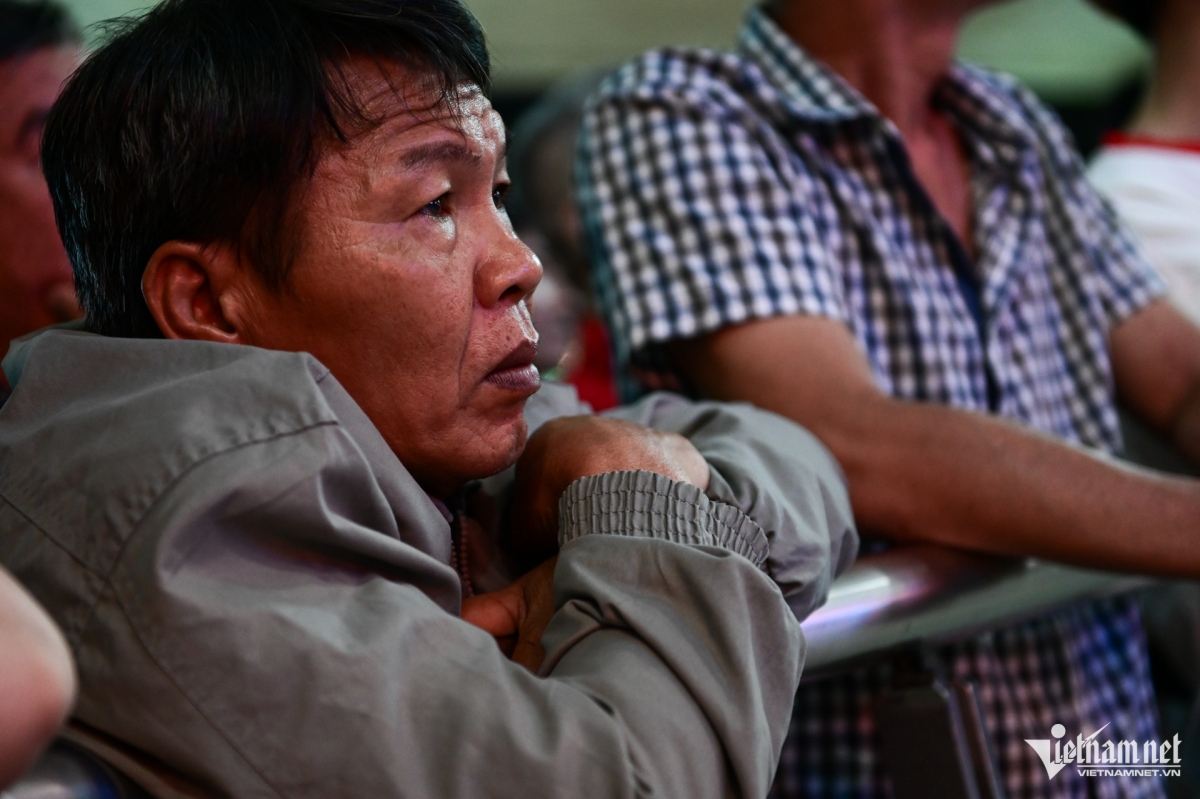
(517, 372)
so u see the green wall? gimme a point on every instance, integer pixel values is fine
(1062, 48)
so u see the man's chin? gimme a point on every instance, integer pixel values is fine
(511, 453)
(501, 451)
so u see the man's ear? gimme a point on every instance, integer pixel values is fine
(197, 292)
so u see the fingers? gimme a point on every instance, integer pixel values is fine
(517, 615)
(499, 613)
(508, 645)
(538, 589)
(529, 653)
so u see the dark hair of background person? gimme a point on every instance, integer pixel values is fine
(541, 161)
(202, 121)
(25, 27)
(1141, 15)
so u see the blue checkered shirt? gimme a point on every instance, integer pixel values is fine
(719, 188)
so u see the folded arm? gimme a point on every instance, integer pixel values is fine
(288, 645)
(759, 462)
(932, 473)
(779, 475)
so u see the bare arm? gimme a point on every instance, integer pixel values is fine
(1156, 362)
(931, 473)
(37, 680)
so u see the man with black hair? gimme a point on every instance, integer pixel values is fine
(242, 490)
(39, 48)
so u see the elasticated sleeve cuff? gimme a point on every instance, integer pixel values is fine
(650, 505)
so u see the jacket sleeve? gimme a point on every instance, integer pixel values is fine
(779, 475)
(267, 633)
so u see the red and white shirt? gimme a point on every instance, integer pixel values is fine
(1155, 186)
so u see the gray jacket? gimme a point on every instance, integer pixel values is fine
(260, 602)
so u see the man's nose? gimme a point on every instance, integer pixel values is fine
(509, 274)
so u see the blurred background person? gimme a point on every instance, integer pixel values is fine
(573, 346)
(1151, 169)
(841, 223)
(37, 680)
(39, 49)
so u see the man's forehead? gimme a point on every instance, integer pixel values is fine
(406, 140)
(399, 97)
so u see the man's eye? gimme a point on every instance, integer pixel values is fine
(498, 195)
(435, 207)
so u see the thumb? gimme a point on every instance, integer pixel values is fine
(529, 652)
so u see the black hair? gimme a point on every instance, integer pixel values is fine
(557, 113)
(541, 149)
(202, 119)
(25, 27)
(1141, 15)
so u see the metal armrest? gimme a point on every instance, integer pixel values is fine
(924, 594)
(68, 772)
(929, 595)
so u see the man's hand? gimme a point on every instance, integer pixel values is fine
(560, 453)
(566, 449)
(517, 614)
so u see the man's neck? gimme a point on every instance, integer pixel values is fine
(1171, 109)
(895, 52)
(893, 56)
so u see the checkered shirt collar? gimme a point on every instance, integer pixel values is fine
(815, 93)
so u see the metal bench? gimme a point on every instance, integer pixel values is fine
(68, 772)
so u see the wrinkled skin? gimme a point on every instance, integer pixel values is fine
(412, 287)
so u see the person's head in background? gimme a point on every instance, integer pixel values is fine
(1170, 108)
(1141, 15)
(39, 49)
(541, 157)
(574, 345)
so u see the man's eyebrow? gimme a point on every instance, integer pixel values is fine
(439, 151)
(445, 151)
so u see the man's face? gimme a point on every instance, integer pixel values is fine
(411, 286)
(36, 287)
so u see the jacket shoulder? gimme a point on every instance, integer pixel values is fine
(98, 428)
